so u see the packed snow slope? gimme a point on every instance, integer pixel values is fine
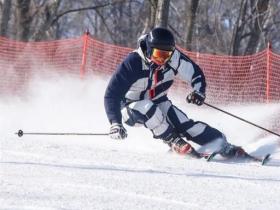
(95, 172)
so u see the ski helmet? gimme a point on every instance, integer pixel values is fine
(160, 38)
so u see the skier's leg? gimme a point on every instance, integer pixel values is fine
(201, 133)
(147, 113)
(198, 132)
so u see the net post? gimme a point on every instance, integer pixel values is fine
(268, 69)
(84, 55)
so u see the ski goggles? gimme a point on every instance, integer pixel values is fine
(160, 57)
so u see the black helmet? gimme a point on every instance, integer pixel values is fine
(160, 38)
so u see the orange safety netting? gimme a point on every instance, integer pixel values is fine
(253, 78)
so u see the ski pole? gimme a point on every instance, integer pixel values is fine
(242, 119)
(20, 133)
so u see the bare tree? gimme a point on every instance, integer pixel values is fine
(162, 13)
(23, 19)
(50, 11)
(212, 26)
(151, 16)
(53, 15)
(249, 27)
(190, 22)
(157, 15)
(238, 29)
(6, 11)
(259, 11)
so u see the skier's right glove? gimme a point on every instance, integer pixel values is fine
(117, 131)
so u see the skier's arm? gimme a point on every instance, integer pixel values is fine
(118, 86)
(190, 72)
(114, 94)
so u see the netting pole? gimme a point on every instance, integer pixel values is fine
(84, 57)
(268, 69)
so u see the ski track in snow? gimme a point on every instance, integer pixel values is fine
(72, 172)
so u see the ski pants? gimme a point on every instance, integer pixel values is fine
(164, 119)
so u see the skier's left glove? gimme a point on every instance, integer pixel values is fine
(117, 131)
(196, 97)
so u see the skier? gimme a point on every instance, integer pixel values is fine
(137, 95)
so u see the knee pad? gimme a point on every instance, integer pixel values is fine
(132, 118)
(146, 113)
(138, 113)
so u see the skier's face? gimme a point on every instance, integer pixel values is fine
(160, 57)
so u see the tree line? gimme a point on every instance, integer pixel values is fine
(239, 27)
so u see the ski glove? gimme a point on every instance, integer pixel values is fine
(196, 97)
(117, 131)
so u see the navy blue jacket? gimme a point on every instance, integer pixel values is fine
(137, 78)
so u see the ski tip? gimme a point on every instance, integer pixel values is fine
(265, 159)
(211, 156)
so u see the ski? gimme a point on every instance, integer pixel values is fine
(198, 155)
(211, 156)
(265, 159)
(262, 160)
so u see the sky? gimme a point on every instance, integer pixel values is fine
(96, 172)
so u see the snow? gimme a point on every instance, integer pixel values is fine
(95, 172)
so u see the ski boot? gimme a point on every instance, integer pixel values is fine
(181, 147)
(235, 152)
(230, 151)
